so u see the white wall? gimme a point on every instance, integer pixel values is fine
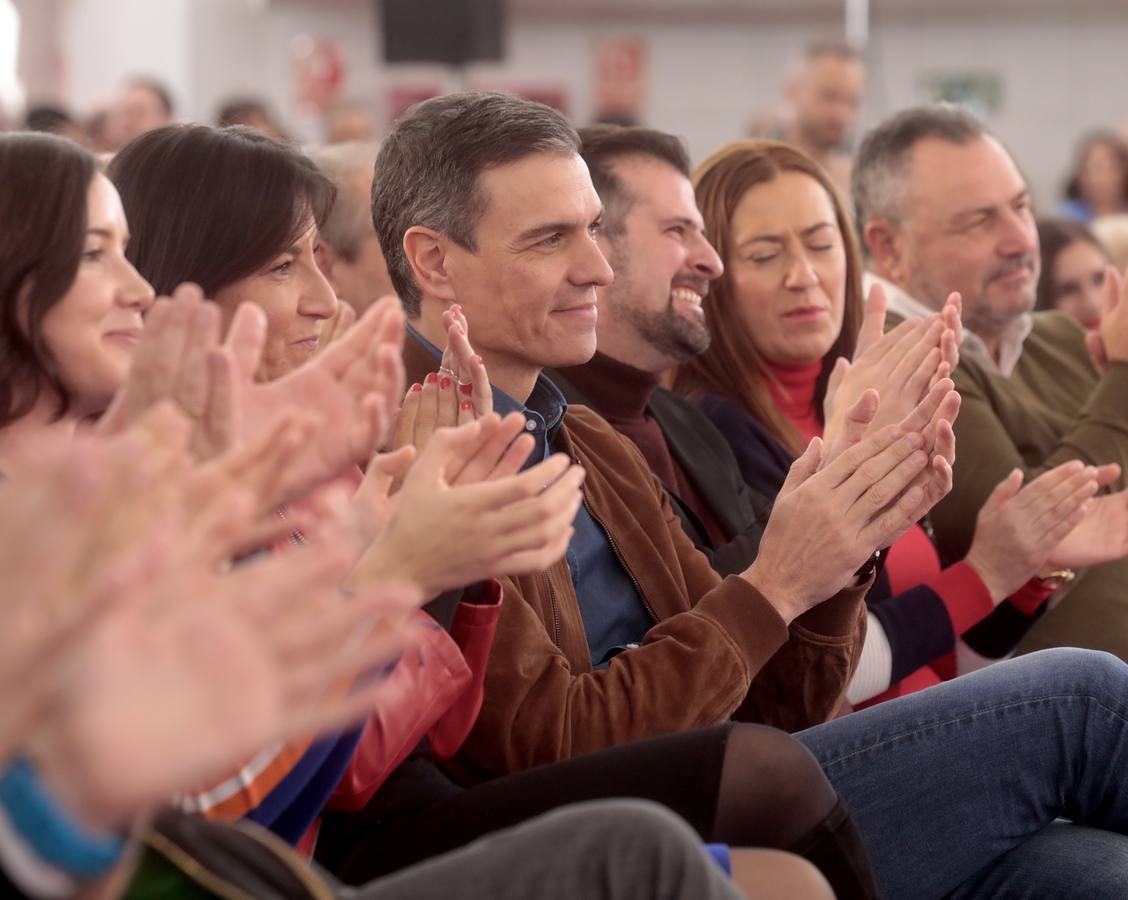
(105, 41)
(1062, 74)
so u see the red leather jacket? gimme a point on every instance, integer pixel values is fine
(437, 695)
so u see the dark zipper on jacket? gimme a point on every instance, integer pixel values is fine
(555, 607)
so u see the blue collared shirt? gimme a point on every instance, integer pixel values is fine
(614, 615)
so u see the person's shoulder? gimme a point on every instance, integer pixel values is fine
(602, 450)
(1055, 325)
(723, 411)
(592, 434)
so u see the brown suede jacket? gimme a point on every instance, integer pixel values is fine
(715, 644)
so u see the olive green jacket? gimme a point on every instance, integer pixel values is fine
(1052, 408)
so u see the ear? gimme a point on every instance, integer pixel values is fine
(426, 251)
(886, 249)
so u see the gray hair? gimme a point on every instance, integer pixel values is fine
(428, 167)
(882, 162)
(350, 220)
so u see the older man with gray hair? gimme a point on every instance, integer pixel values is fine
(942, 207)
(350, 253)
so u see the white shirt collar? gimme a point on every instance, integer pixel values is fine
(1010, 344)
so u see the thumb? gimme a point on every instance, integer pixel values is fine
(841, 367)
(1094, 343)
(1112, 287)
(804, 467)
(1004, 491)
(245, 338)
(873, 320)
(390, 465)
(448, 450)
(1107, 474)
(860, 415)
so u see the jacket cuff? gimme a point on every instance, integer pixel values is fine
(748, 619)
(837, 617)
(964, 594)
(484, 593)
(483, 609)
(1029, 598)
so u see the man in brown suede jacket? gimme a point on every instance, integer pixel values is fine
(483, 200)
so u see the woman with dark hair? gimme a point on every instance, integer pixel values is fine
(247, 210)
(1099, 184)
(71, 304)
(1073, 271)
(784, 312)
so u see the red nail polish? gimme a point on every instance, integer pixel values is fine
(445, 382)
(467, 389)
(465, 404)
(416, 388)
(432, 377)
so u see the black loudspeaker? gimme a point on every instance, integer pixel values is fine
(444, 31)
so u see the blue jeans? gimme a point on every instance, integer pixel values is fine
(956, 789)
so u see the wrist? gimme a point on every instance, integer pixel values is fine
(779, 592)
(382, 563)
(50, 829)
(998, 588)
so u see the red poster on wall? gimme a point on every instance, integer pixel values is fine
(318, 66)
(621, 69)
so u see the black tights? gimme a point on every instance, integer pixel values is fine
(742, 785)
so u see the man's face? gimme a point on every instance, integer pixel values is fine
(969, 228)
(651, 314)
(529, 290)
(827, 96)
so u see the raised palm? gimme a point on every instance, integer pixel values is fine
(1101, 537)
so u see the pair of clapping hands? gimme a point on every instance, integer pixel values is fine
(138, 661)
(448, 502)
(1054, 521)
(886, 461)
(133, 663)
(451, 472)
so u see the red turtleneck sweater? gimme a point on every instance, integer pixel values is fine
(793, 391)
(913, 559)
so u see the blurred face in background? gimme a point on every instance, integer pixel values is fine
(1101, 179)
(140, 110)
(1077, 281)
(826, 96)
(787, 268)
(362, 279)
